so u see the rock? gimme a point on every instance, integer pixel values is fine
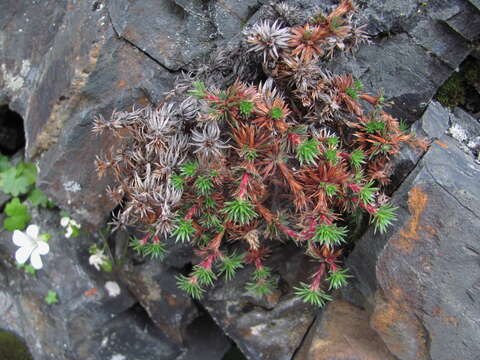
(431, 126)
(171, 32)
(88, 323)
(421, 277)
(231, 16)
(55, 331)
(467, 122)
(269, 328)
(94, 58)
(128, 336)
(172, 311)
(342, 332)
(413, 50)
(154, 285)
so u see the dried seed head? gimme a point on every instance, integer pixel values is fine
(252, 238)
(268, 38)
(207, 143)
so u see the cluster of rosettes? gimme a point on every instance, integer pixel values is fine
(251, 165)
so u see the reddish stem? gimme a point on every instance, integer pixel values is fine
(243, 185)
(144, 240)
(354, 187)
(212, 97)
(294, 138)
(191, 212)
(287, 231)
(207, 262)
(317, 277)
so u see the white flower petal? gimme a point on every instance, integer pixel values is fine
(69, 232)
(22, 254)
(43, 248)
(76, 224)
(20, 239)
(64, 221)
(32, 231)
(35, 260)
(112, 288)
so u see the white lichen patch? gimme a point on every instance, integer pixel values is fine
(12, 82)
(118, 357)
(458, 133)
(25, 68)
(72, 186)
(104, 342)
(474, 144)
(15, 82)
(257, 329)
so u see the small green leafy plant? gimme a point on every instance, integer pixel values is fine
(19, 181)
(51, 297)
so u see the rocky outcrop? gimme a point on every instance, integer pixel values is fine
(267, 328)
(64, 62)
(415, 288)
(421, 277)
(342, 332)
(89, 323)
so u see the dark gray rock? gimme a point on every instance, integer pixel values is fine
(155, 287)
(266, 328)
(88, 323)
(62, 63)
(432, 125)
(434, 122)
(231, 16)
(421, 277)
(173, 33)
(467, 122)
(128, 336)
(57, 331)
(413, 52)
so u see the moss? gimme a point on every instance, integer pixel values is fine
(12, 348)
(472, 71)
(452, 92)
(460, 87)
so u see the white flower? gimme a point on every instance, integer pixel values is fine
(31, 246)
(64, 221)
(113, 288)
(70, 224)
(97, 259)
(69, 232)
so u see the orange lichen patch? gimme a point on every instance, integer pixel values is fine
(417, 202)
(401, 331)
(70, 6)
(446, 319)
(343, 333)
(121, 84)
(398, 294)
(91, 292)
(441, 144)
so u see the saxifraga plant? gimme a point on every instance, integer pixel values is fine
(248, 163)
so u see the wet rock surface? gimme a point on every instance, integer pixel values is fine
(415, 288)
